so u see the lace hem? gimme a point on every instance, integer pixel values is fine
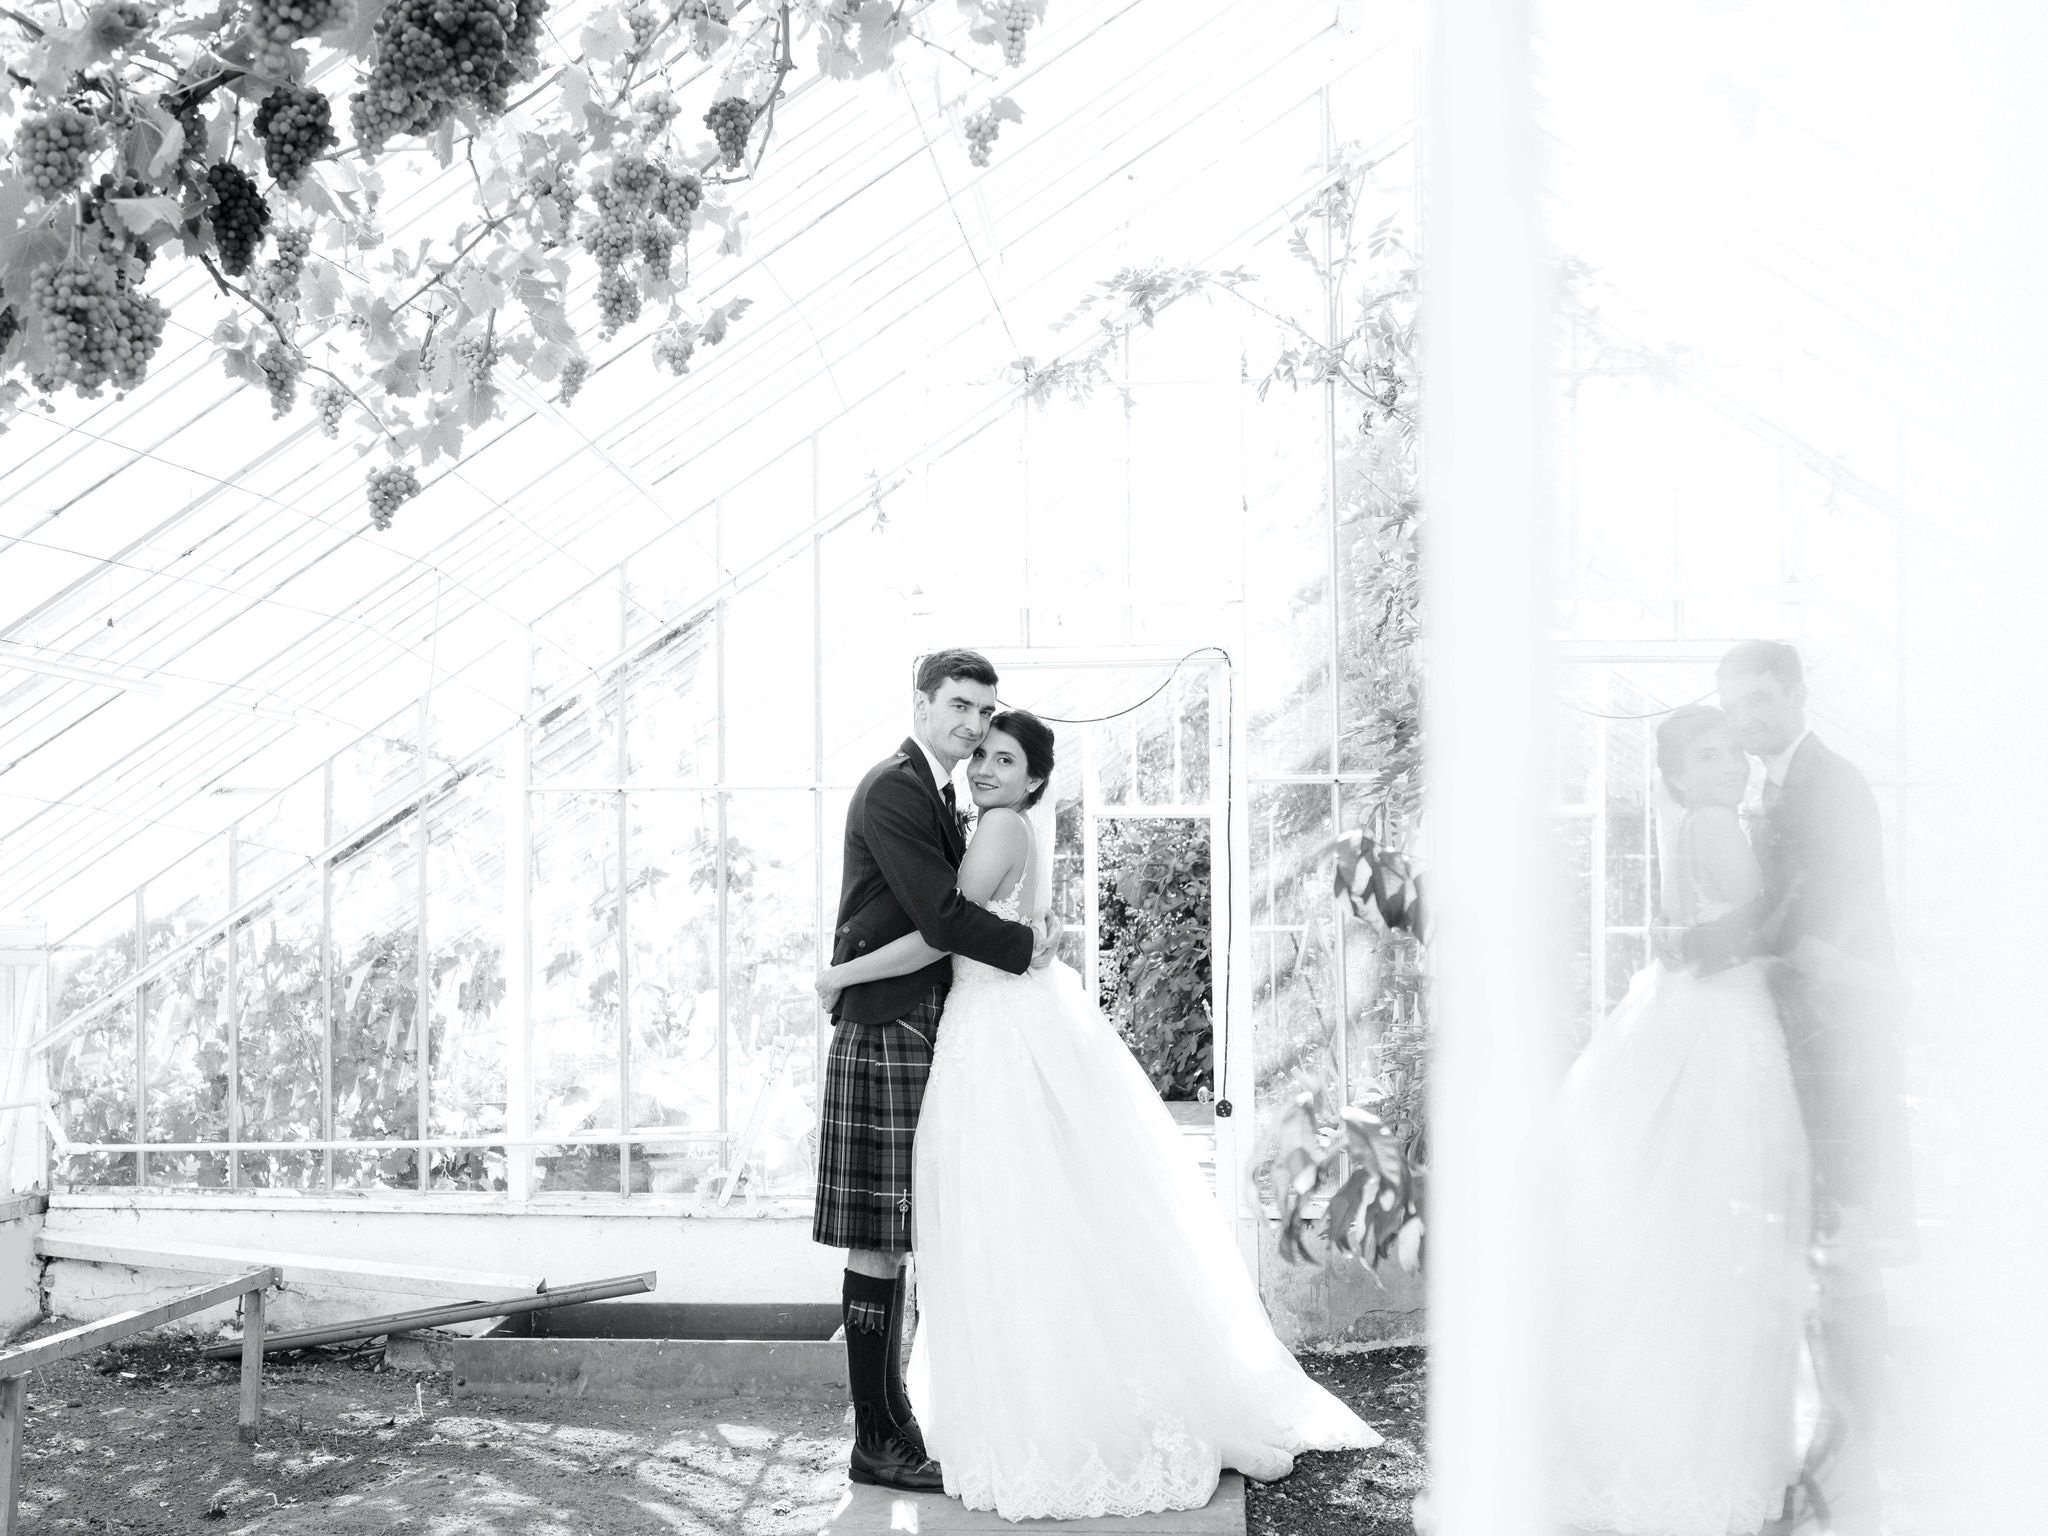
(1177, 1472)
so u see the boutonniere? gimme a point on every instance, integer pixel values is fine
(965, 816)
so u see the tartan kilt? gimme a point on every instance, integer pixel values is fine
(867, 1119)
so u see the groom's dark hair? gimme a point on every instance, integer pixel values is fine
(933, 671)
(1772, 658)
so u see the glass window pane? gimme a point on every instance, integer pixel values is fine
(465, 969)
(282, 1037)
(770, 679)
(672, 922)
(1294, 947)
(376, 986)
(92, 1077)
(281, 835)
(772, 1012)
(672, 704)
(578, 637)
(1287, 586)
(575, 986)
(187, 1043)
(94, 960)
(187, 896)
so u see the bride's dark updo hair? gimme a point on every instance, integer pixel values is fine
(1035, 737)
(1675, 735)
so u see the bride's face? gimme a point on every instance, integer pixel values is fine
(1715, 771)
(996, 774)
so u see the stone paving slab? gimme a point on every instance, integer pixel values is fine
(884, 1512)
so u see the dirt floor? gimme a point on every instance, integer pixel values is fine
(142, 1439)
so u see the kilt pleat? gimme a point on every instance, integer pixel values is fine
(867, 1120)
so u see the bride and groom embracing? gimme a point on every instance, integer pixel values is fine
(1734, 1167)
(1088, 1340)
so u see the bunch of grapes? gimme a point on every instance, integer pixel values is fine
(296, 126)
(674, 347)
(391, 488)
(732, 119)
(982, 129)
(644, 24)
(52, 151)
(274, 25)
(278, 282)
(574, 372)
(282, 366)
(10, 323)
(659, 108)
(618, 302)
(329, 401)
(239, 216)
(436, 55)
(97, 327)
(193, 147)
(657, 248)
(1016, 20)
(475, 359)
(706, 10)
(611, 234)
(676, 197)
(557, 182)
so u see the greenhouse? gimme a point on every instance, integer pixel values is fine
(439, 675)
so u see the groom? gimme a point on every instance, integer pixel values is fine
(1824, 917)
(904, 843)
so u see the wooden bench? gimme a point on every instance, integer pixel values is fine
(15, 1365)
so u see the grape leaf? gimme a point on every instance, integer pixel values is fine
(140, 214)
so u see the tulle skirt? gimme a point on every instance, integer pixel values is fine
(1089, 1341)
(1685, 1283)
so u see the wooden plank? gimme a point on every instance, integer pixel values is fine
(297, 1268)
(76, 1341)
(251, 1419)
(13, 1408)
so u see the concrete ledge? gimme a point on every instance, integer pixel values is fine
(648, 1370)
(298, 1268)
(881, 1511)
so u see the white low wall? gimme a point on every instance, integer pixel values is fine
(21, 1296)
(698, 1258)
(726, 1257)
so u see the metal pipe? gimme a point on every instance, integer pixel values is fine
(433, 1317)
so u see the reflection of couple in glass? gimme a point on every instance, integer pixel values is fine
(1734, 1169)
(1089, 1342)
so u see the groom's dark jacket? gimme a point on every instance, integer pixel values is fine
(1820, 849)
(902, 864)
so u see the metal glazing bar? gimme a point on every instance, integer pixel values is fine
(141, 1009)
(233, 1003)
(720, 866)
(625, 948)
(327, 977)
(602, 1136)
(423, 1000)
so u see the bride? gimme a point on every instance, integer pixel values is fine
(1684, 1216)
(1089, 1341)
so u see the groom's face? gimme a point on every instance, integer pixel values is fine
(1765, 715)
(954, 718)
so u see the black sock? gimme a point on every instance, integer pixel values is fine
(899, 1308)
(864, 1304)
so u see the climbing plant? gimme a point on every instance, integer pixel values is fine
(263, 142)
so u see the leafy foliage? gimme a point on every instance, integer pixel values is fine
(140, 132)
(1155, 961)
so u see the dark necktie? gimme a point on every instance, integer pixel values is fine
(952, 805)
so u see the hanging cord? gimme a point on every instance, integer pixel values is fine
(1655, 714)
(1200, 650)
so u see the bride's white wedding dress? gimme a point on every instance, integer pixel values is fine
(1089, 1342)
(1683, 1235)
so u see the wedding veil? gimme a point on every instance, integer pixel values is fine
(1043, 821)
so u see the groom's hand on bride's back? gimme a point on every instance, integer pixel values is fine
(1046, 940)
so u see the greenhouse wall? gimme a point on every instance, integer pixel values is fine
(465, 993)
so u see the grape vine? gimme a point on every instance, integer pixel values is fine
(139, 133)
